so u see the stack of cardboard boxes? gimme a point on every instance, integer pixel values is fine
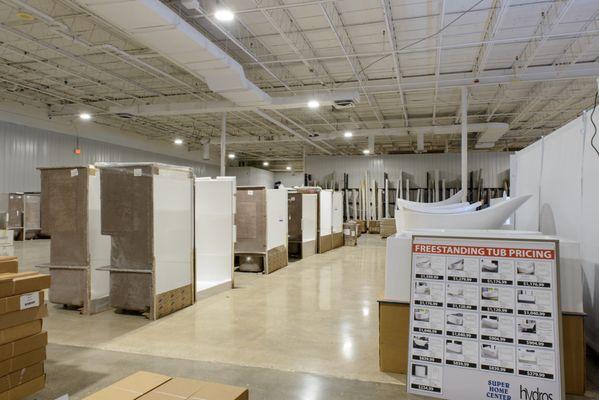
(150, 386)
(374, 226)
(350, 233)
(22, 341)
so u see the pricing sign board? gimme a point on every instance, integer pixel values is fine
(485, 319)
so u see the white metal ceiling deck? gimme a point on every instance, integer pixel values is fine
(529, 63)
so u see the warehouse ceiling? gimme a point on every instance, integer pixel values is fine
(529, 67)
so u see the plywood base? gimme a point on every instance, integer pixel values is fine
(574, 353)
(309, 248)
(276, 259)
(337, 239)
(394, 336)
(173, 300)
(131, 291)
(71, 286)
(325, 243)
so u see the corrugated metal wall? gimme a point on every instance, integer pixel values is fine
(494, 167)
(23, 149)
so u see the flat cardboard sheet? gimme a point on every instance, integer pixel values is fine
(21, 361)
(131, 387)
(23, 282)
(24, 390)
(20, 317)
(22, 346)
(21, 302)
(9, 264)
(20, 331)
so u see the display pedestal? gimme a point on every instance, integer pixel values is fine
(394, 333)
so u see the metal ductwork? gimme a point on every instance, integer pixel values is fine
(153, 24)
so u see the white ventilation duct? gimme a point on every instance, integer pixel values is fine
(153, 24)
(490, 136)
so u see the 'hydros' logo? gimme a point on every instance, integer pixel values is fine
(498, 390)
(532, 394)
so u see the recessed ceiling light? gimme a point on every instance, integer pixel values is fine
(224, 15)
(348, 134)
(265, 163)
(366, 151)
(85, 116)
(231, 155)
(313, 104)
(288, 168)
(178, 141)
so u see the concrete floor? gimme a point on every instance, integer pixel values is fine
(308, 331)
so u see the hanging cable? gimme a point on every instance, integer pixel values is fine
(422, 39)
(594, 126)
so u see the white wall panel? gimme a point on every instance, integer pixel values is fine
(23, 149)
(494, 165)
(250, 176)
(526, 165)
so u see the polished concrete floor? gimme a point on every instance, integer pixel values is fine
(308, 331)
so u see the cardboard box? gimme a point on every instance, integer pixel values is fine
(175, 389)
(149, 386)
(21, 376)
(21, 317)
(20, 331)
(24, 390)
(394, 333)
(23, 282)
(21, 302)
(22, 361)
(218, 391)
(9, 264)
(131, 387)
(22, 346)
(374, 226)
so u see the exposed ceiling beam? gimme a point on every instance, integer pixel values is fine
(392, 37)
(334, 19)
(438, 59)
(581, 45)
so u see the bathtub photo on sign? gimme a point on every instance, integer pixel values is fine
(496, 271)
(461, 353)
(426, 377)
(462, 269)
(534, 302)
(461, 324)
(537, 332)
(535, 274)
(497, 357)
(428, 320)
(427, 348)
(497, 328)
(536, 363)
(462, 296)
(497, 299)
(430, 267)
(429, 293)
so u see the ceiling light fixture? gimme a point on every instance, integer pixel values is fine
(85, 116)
(366, 151)
(348, 134)
(313, 104)
(178, 141)
(224, 15)
(265, 164)
(231, 155)
(288, 168)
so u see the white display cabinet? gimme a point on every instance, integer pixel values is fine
(337, 220)
(214, 234)
(71, 207)
(148, 211)
(261, 225)
(21, 213)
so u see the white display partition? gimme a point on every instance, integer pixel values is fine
(485, 311)
(276, 221)
(214, 234)
(337, 219)
(99, 245)
(325, 220)
(525, 171)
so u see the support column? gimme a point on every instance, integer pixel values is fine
(465, 142)
(223, 144)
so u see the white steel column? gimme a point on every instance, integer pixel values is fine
(464, 142)
(223, 144)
